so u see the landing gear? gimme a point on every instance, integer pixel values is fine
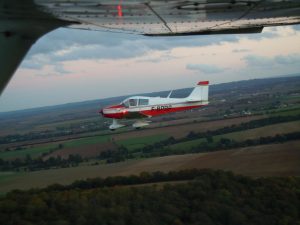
(140, 123)
(115, 125)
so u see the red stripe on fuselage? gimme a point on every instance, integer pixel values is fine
(153, 112)
(157, 112)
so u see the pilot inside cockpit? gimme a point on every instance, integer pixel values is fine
(133, 102)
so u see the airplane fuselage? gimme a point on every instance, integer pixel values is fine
(157, 106)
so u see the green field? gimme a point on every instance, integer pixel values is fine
(9, 177)
(289, 112)
(140, 142)
(188, 144)
(33, 152)
(86, 141)
(66, 123)
(37, 151)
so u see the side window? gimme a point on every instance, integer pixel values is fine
(143, 101)
(132, 102)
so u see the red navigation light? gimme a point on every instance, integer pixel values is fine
(120, 13)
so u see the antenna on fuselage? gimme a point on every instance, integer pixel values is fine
(170, 94)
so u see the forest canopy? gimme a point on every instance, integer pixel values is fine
(187, 197)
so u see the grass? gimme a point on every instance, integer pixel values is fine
(67, 123)
(7, 176)
(288, 112)
(33, 152)
(140, 142)
(86, 141)
(39, 150)
(188, 144)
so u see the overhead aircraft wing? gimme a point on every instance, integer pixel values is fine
(22, 22)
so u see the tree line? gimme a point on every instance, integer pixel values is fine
(209, 198)
(32, 164)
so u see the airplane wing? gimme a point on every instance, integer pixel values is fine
(22, 22)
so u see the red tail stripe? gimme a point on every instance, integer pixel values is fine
(203, 83)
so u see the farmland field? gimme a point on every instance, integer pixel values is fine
(86, 141)
(270, 130)
(264, 160)
(87, 146)
(188, 144)
(140, 142)
(38, 150)
(33, 152)
(76, 128)
(183, 129)
(85, 151)
(290, 112)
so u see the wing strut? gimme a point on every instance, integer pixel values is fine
(159, 17)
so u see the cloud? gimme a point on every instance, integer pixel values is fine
(242, 50)
(31, 64)
(288, 59)
(66, 44)
(64, 38)
(296, 27)
(205, 68)
(257, 61)
(59, 68)
(69, 44)
(262, 61)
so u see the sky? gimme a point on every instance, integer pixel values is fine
(69, 65)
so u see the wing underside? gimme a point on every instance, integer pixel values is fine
(22, 22)
(175, 17)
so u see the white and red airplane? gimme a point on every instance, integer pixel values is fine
(141, 107)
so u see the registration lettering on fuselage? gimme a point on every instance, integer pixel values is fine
(161, 107)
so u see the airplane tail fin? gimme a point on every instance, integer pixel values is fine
(200, 92)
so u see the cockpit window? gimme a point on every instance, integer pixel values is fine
(143, 101)
(125, 103)
(132, 102)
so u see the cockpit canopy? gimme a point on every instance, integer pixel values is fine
(135, 101)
